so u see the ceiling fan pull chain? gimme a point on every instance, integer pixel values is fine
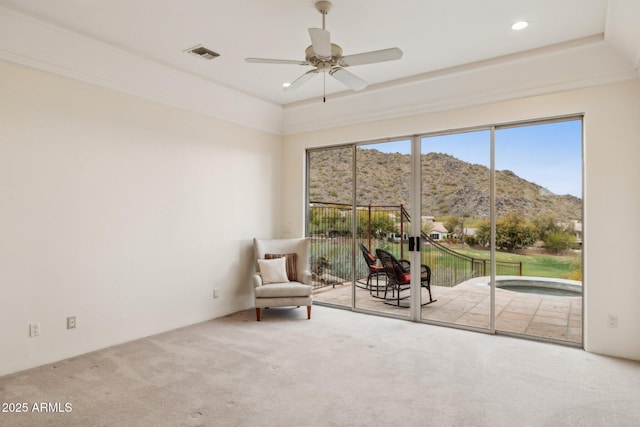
(324, 87)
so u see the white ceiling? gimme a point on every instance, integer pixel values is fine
(433, 34)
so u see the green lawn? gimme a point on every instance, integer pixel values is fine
(559, 266)
(338, 252)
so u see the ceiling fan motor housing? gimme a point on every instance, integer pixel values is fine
(323, 7)
(322, 62)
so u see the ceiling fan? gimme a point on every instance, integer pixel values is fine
(327, 57)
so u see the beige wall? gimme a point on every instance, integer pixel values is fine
(122, 212)
(612, 202)
(127, 214)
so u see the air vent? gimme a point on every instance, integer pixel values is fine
(203, 52)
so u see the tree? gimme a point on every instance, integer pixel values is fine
(381, 223)
(559, 241)
(483, 233)
(427, 227)
(544, 224)
(315, 220)
(329, 220)
(513, 232)
(451, 223)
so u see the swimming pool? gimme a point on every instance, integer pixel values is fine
(540, 285)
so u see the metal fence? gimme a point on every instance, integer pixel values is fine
(331, 228)
(448, 267)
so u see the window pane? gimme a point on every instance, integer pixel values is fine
(455, 209)
(330, 189)
(539, 224)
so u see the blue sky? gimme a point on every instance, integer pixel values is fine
(549, 154)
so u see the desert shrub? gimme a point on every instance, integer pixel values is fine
(559, 241)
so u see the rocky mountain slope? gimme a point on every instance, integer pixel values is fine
(449, 186)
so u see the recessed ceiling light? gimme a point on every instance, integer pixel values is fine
(286, 84)
(520, 25)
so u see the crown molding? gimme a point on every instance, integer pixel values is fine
(575, 64)
(622, 29)
(572, 65)
(33, 43)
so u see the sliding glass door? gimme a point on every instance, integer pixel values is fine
(330, 223)
(539, 225)
(499, 214)
(382, 203)
(456, 203)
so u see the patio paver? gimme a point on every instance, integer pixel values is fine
(549, 316)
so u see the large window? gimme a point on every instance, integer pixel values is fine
(539, 224)
(500, 216)
(330, 222)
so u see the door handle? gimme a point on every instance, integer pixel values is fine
(414, 244)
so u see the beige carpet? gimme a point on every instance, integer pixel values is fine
(337, 369)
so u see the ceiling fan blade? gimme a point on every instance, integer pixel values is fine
(275, 61)
(301, 80)
(321, 41)
(352, 81)
(371, 57)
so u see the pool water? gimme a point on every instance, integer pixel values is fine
(540, 290)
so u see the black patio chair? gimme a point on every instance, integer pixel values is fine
(375, 270)
(399, 278)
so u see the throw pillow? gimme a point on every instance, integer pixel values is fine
(292, 271)
(273, 270)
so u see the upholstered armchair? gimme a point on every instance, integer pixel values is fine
(283, 276)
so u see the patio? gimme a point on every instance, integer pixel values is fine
(547, 316)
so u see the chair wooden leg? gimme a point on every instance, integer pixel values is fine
(308, 312)
(258, 313)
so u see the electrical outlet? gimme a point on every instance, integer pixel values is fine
(612, 321)
(71, 322)
(34, 329)
(216, 292)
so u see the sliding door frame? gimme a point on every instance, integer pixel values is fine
(416, 206)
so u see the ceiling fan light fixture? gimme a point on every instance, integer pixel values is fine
(520, 25)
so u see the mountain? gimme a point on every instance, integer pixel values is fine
(449, 186)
